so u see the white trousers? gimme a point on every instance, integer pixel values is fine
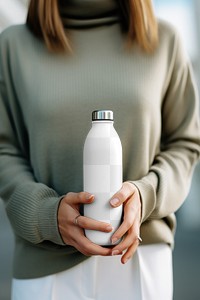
(147, 276)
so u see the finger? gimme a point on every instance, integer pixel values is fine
(130, 252)
(91, 224)
(126, 191)
(127, 241)
(128, 245)
(76, 238)
(88, 248)
(130, 216)
(77, 198)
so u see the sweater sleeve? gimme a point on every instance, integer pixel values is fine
(31, 206)
(167, 183)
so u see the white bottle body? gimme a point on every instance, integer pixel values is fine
(102, 170)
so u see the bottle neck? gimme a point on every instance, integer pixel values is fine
(102, 129)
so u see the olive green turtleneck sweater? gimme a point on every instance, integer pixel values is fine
(46, 102)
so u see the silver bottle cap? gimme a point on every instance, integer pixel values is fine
(101, 115)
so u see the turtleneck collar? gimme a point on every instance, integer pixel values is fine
(88, 13)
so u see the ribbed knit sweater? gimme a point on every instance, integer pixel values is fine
(46, 102)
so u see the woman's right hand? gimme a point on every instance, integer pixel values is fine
(73, 232)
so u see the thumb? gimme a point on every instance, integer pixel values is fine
(126, 191)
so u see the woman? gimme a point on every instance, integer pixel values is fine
(70, 58)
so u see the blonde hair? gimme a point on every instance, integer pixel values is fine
(139, 23)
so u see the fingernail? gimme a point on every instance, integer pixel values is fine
(109, 228)
(114, 240)
(89, 197)
(125, 261)
(114, 201)
(115, 252)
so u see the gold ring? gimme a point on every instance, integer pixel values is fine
(139, 239)
(76, 220)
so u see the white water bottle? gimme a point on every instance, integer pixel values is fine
(102, 173)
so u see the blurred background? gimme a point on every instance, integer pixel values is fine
(184, 14)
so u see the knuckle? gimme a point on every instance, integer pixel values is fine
(126, 191)
(69, 196)
(82, 195)
(86, 254)
(128, 223)
(79, 197)
(86, 251)
(83, 222)
(132, 209)
(137, 242)
(130, 186)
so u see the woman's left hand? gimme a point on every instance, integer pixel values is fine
(129, 197)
